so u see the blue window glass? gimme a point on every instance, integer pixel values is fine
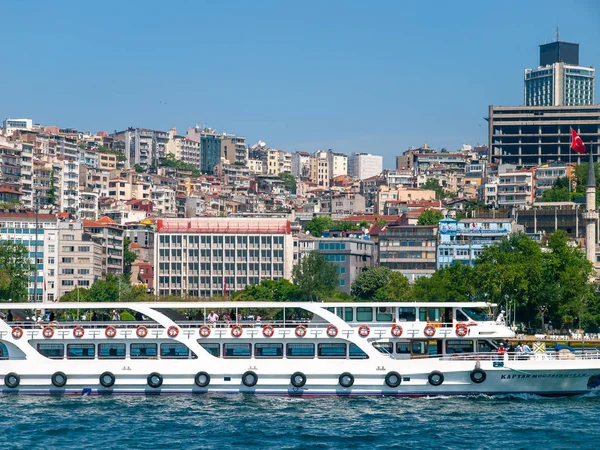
(111, 351)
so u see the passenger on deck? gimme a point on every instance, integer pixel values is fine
(526, 348)
(94, 317)
(226, 318)
(501, 350)
(212, 319)
(9, 316)
(500, 318)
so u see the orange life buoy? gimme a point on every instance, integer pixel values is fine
(300, 331)
(110, 331)
(268, 331)
(364, 330)
(237, 330)
(78, 331)
(48, 332)
(205, 331)
(429, 330)
(17, 332)
(332, 331)
(396, 330)
(173, 331)
(141, 331)
(462, 330)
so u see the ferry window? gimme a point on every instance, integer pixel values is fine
(423, 314)
(81, 351)
(407, 314)
(268, 350)
(53, 351)
(332, 350)
(403, 348)
(237, 350)
(476, 314)
(3, 351)
(348, 314)
(356, 352)
(364, 314)
(459, 346)
(143, 351)
(420, 347)
(461, 316)
(174, 351)
(111, 351)
(384, 314)
(434, 315)
(300, 351)
(384, 347)
(485, 347)
(212, 348)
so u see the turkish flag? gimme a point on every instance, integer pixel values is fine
(577, 143)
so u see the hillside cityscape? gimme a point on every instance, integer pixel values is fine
(202, 213)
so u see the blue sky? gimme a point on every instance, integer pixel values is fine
(353, 76)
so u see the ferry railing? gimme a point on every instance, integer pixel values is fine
(533, 356)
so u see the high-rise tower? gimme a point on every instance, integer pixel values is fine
(559, 80)
(591, 214)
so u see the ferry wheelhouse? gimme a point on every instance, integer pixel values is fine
(403, 349)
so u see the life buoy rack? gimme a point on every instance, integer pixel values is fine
(237, 330)
(205, 331)
(429, 330)
(396, 330)
(141, 331)
(364, 330)
(17, 332)
(173, 331)
(268, 331)
(110, 331)
(462, 330)
(48, 332)
(332, 331)
(300, 331)
(78, 331)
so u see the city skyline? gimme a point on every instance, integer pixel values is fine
(328, 76)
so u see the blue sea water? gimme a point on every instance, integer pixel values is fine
(241, 421)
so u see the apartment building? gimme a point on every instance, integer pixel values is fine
(207, 256)
(364, 165)
(409, 249)
(79, 260)
(110, 236)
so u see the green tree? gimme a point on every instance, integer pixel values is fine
(281, 290)
(139, 169)
(449, 284)
(315, 277)
(318, 224)
(381, 284)
(289, 180)
(76, 295)
(364, 223)
(129, 257)
(430, 217)
(15, 269)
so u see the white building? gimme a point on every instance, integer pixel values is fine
(209, 256)
(11, 125)
(364, 165)
(338, 164)
(301, 165)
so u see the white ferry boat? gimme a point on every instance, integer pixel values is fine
(401, 349)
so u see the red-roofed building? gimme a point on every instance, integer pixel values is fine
(110, 234)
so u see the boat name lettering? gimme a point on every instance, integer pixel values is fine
(545, 375)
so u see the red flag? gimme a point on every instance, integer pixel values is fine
(577, 143)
